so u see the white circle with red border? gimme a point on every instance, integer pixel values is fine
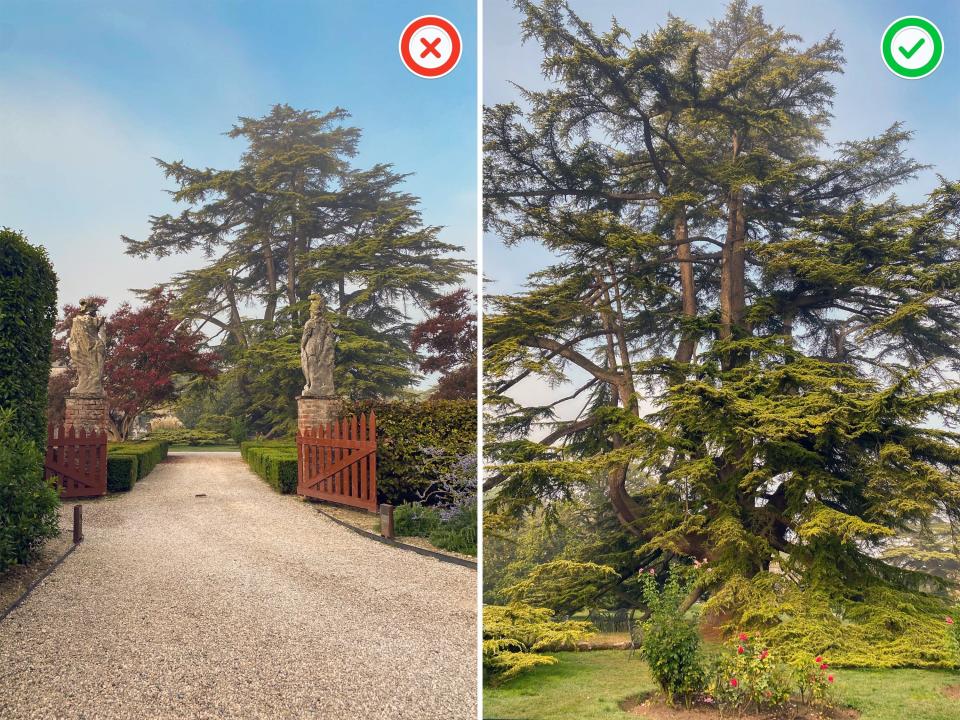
(430, 46)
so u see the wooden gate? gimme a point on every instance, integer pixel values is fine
(78, 459)
(338, 462)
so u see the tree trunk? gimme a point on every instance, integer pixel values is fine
(688, 290)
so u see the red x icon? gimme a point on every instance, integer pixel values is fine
(430, 46)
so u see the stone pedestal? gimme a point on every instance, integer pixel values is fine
(315, 412)
(86, 411)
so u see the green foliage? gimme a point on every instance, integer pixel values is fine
(219, 424)
(564, 586)
(763, 341)
(415, 519)
(814, 679)
(28, 312)
(457, 533)
(514, 634)
(671, 644)
(405, 430)
(149, 454)
(187, 436)
(749, 674)
(868, 624)
(121, 471)
(28, 502)
(295, 217)
(273, 461)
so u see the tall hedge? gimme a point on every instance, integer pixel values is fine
(417, 442)
(28, 312)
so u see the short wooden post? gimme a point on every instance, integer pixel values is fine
(386, 520)
(77, 523)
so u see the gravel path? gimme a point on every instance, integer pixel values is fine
(240, 604)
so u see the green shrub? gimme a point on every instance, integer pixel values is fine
(415, 520)
(121, 472)
(220, 424)
(186, 436)
(671, 643)
(149, 454)
(459, 533)
(28, 312)
(28, 502)
(273, 461)
(405, 430)
(514, 636)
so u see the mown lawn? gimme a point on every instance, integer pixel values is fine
(590, 686)
(204, 448)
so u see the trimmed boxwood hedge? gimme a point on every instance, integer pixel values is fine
(28, 312)
(274, 461)
(404, 429)
(121, 472)
(147, 454)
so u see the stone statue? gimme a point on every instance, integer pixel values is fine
(316, 351)
(88, 350)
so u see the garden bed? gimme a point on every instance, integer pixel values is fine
(653, 707)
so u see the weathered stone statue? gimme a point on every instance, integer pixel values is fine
(88, 350)
(316, 351)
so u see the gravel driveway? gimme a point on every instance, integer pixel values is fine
(240, 604)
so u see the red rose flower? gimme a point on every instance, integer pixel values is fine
(949, 620)
(739, 649)
(824, 666)
(744, 637)
(818, 659)
(763, 655)
(829, 678)
(733, 682)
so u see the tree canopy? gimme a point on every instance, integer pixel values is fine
(296, 217)
(763, 337)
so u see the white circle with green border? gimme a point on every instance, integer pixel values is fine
(912, 47)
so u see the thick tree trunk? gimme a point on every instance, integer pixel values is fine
(271, 270)
(688, 290)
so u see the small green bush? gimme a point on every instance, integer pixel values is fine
(121, 472)
(186, 436)
(415, 520)
(149, 454)
(28, 312)
(273, 461)
(516, 635)
(671, 643)
(28, 502)
(457, 533)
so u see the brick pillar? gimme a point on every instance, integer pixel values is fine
(314, 412)
(86, 411)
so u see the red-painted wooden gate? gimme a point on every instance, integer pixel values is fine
(338, 462)
(78, 459)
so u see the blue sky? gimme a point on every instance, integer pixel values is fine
(91, 91)
(869, 98)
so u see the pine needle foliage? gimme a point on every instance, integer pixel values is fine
(762, 337)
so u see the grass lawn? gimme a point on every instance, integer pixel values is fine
(590, 686)
(204, 448)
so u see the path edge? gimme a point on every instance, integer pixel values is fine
(33, 586)
(443, 557)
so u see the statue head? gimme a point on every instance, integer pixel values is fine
(317, 305)
(88, 307)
